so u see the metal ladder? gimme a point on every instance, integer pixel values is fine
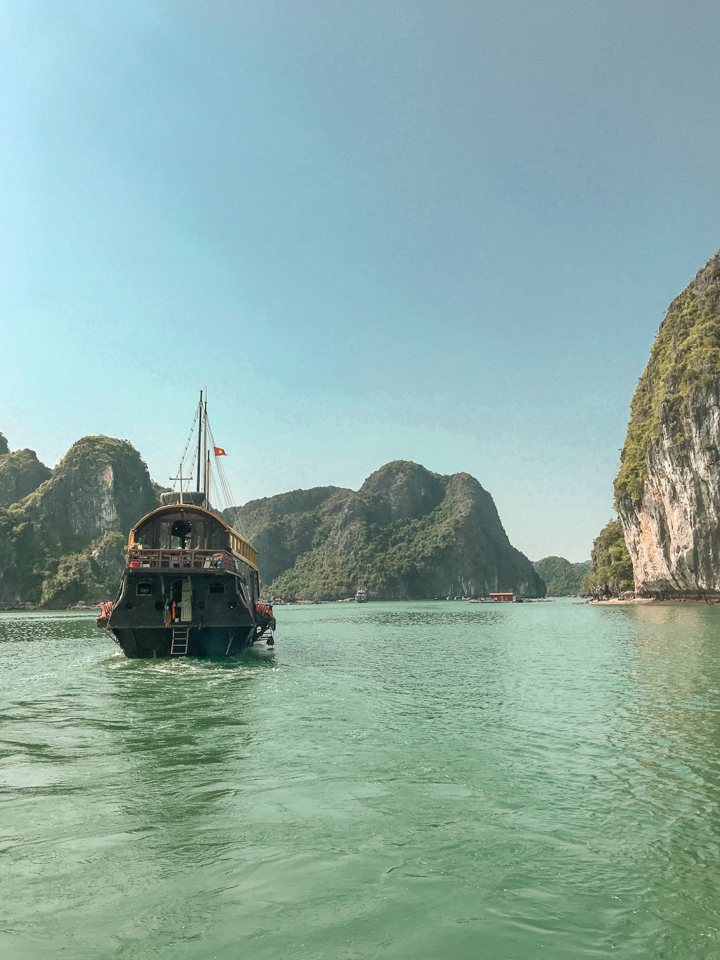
(180, 641)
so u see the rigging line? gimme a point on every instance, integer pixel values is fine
(227, 493)
(220, 489)
(231, 505)
(192, 464)
(184, 454)
(219, 484)
(234, 512)
(226, 486)
(191, 468)
(212, 487)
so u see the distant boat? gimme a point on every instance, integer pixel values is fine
(361, 595)
(191, 584)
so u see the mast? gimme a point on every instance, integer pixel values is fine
(200, 437)
(206, 458)
(207, 480)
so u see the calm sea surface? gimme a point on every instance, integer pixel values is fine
(416, 780)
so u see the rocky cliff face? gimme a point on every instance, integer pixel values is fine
(284, 527)
(407, 533)
(20, 473)
(101, 484)
(64, 541)
(668, 489)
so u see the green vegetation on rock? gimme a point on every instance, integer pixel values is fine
(284, 527)
(562, 578)
(386, 559)
(90, 575)
(684, 356)
(611, 571)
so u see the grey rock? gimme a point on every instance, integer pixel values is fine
(673, 535)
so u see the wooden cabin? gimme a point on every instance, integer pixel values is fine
(187, 535)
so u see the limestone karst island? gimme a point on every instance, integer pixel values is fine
(666, 543)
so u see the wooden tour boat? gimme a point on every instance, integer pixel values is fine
(191, 585)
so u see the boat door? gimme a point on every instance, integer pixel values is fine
(182, 599)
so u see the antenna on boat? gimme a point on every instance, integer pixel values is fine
(180, 478)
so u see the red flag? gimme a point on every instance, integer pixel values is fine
(219, 452)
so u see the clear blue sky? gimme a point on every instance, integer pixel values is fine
(435, 231)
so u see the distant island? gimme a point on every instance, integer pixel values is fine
(562, 578)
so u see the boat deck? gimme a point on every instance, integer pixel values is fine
(148, 558)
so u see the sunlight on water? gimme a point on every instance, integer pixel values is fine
(413, 780)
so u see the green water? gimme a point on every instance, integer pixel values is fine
(395, 781)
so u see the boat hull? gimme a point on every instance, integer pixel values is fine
(145, 642)
(185, 612)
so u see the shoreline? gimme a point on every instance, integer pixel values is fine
(645, 601)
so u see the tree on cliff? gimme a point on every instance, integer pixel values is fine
(611, 571)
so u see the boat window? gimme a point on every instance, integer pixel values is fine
(218, 538)
(180, 531)
(176, 531)
(146, 537)
(163, 534)
(144, 589)
(217, 588)
(197, 537)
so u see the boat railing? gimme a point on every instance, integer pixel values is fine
(144, 558)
